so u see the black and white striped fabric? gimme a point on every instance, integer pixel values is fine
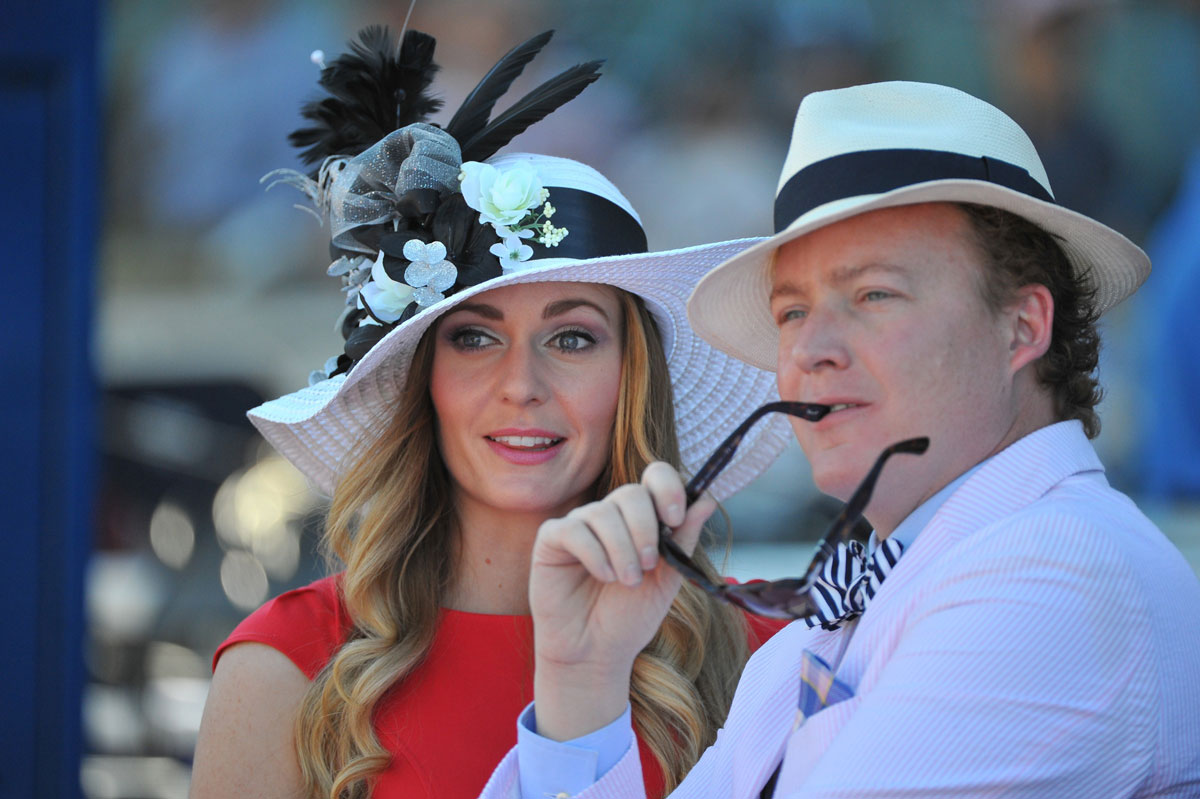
(848, 581)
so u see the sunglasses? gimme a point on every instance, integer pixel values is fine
(777, 599)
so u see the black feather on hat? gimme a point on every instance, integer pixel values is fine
(378, 87)
(388, 177)
(374, 89)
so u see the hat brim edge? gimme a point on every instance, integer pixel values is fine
(315, 427)
(729, 307)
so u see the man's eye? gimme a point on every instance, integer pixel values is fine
(792, 314)
(876, 294)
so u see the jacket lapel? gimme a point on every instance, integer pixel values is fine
(761, 722)
(1006, 483)
(1009, 481)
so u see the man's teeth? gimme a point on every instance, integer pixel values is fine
(841, 406)
(525, 441)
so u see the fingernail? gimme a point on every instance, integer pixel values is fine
(649, 557)
(633, 575)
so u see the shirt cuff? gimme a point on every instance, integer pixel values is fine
(565, 768)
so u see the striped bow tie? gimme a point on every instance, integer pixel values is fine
(848, 581)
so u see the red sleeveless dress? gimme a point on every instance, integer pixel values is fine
(448, 723)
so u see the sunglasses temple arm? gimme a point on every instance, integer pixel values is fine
(849, 515)
(711, 468)
(679, 560)
(720, 459)
(724, 453)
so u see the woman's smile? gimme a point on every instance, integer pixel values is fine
(525, 447)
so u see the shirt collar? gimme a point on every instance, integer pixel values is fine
(906, 532)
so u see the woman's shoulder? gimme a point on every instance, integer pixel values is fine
(245, 745)
(307, 624)
(760, 629)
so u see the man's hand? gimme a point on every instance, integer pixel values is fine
(598, 594)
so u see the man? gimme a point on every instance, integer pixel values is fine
(1036, 635)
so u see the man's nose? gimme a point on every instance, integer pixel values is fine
(819, 343)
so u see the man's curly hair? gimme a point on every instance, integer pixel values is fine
(1019, 253)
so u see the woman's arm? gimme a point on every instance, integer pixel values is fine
(246, 745)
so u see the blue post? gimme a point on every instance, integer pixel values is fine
(49, 141)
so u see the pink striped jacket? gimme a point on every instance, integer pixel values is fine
(1040, 638)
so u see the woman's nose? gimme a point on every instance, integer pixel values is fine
(522, 378)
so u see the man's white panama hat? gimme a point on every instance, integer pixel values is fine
(321, 427)
(880, 145)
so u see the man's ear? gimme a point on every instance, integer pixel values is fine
(1032, 318)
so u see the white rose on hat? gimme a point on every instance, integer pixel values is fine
(501, 197)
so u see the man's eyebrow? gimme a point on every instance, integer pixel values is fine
(486, 311)
(784, 290)
(840, 275)
(562, 306)
(844, 274)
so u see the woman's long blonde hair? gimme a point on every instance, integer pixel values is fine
(392, 525)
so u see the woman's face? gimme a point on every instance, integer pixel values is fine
(525, 383)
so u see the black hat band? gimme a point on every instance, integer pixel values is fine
(597, 228)
(867, 172)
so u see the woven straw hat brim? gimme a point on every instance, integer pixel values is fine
(318, 428)
(730, 306)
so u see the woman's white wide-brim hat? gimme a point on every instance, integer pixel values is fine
(880, 145)
(320, 428)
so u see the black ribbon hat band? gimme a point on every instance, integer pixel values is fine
(597, 228)
(870, 172)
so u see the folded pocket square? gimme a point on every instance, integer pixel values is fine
(819, 689)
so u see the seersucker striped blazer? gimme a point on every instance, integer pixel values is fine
(1041, 638)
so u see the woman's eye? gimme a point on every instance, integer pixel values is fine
(876, 294)
(573, 340)
(469, 338)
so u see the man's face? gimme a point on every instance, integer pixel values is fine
(881, 316)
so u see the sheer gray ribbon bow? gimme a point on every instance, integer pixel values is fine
(364, 190)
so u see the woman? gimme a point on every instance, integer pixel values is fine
(512, 354)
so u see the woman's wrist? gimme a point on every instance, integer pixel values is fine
(572, 700)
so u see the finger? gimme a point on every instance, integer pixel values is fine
(688, 533)
(641, 519)
(666, 490)
(565, 542)
(607, 524)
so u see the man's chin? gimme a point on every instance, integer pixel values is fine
(837, 480)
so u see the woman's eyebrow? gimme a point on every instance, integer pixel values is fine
(562, 306)
(486, 311)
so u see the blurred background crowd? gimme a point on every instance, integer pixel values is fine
(213, 294)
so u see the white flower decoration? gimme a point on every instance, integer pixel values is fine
(318, 375)
(387, 298)
(511, 253)
(504, 232)
(502, 198)
(429, 273)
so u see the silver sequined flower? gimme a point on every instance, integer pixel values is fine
(430, 273)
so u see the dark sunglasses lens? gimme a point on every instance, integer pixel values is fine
(779, 599)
